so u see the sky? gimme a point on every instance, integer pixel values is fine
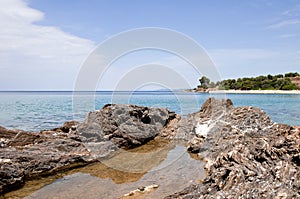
(44, 43)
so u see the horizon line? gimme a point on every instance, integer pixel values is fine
(161, 90)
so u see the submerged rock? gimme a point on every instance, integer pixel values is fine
(140, 192)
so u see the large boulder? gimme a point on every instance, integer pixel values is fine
(126, 126)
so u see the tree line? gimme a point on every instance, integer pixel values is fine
(269, 82)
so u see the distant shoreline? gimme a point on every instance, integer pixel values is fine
(255, 91)
(159, 91)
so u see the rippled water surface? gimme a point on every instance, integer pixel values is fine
(43, 110)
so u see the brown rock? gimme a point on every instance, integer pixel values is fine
(67, 127)
(126, 126)
(247, 155)
(26, 155)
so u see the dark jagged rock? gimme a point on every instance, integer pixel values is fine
(26, 155)
(246, 154)
(127, 126)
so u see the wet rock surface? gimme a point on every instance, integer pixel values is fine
(246, 154)
(27, 155)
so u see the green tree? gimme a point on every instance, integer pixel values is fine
(279, 76)
(266, 85)
(204, 82)
(269, 82)
(212, 85)
(292, 74)
(270, 77)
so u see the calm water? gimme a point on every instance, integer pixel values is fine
(43, 110)
(165, 164)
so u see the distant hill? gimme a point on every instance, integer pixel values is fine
(288, 81)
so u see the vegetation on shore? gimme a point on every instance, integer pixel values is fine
(288, 81)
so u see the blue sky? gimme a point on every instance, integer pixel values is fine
(45, 42)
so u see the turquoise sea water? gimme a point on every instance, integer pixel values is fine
(34, 111)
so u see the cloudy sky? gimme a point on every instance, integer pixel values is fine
(43, 43)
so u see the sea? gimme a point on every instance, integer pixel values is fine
(36, 110)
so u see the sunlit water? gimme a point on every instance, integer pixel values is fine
(36, 111)
(167, 165)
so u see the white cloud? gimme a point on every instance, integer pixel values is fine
(284, 23)
(35, 56)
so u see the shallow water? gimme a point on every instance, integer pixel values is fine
(167, 165)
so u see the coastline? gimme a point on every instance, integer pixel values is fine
(207, 135)
(295, 92)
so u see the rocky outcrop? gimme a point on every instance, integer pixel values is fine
(246, 154)
(26, 155)
(196, 125)
(126, 126)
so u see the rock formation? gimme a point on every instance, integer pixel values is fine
(127, 126)
(26, 155)
(246, 154)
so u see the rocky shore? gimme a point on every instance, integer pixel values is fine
(246, 154)
(29, 155)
